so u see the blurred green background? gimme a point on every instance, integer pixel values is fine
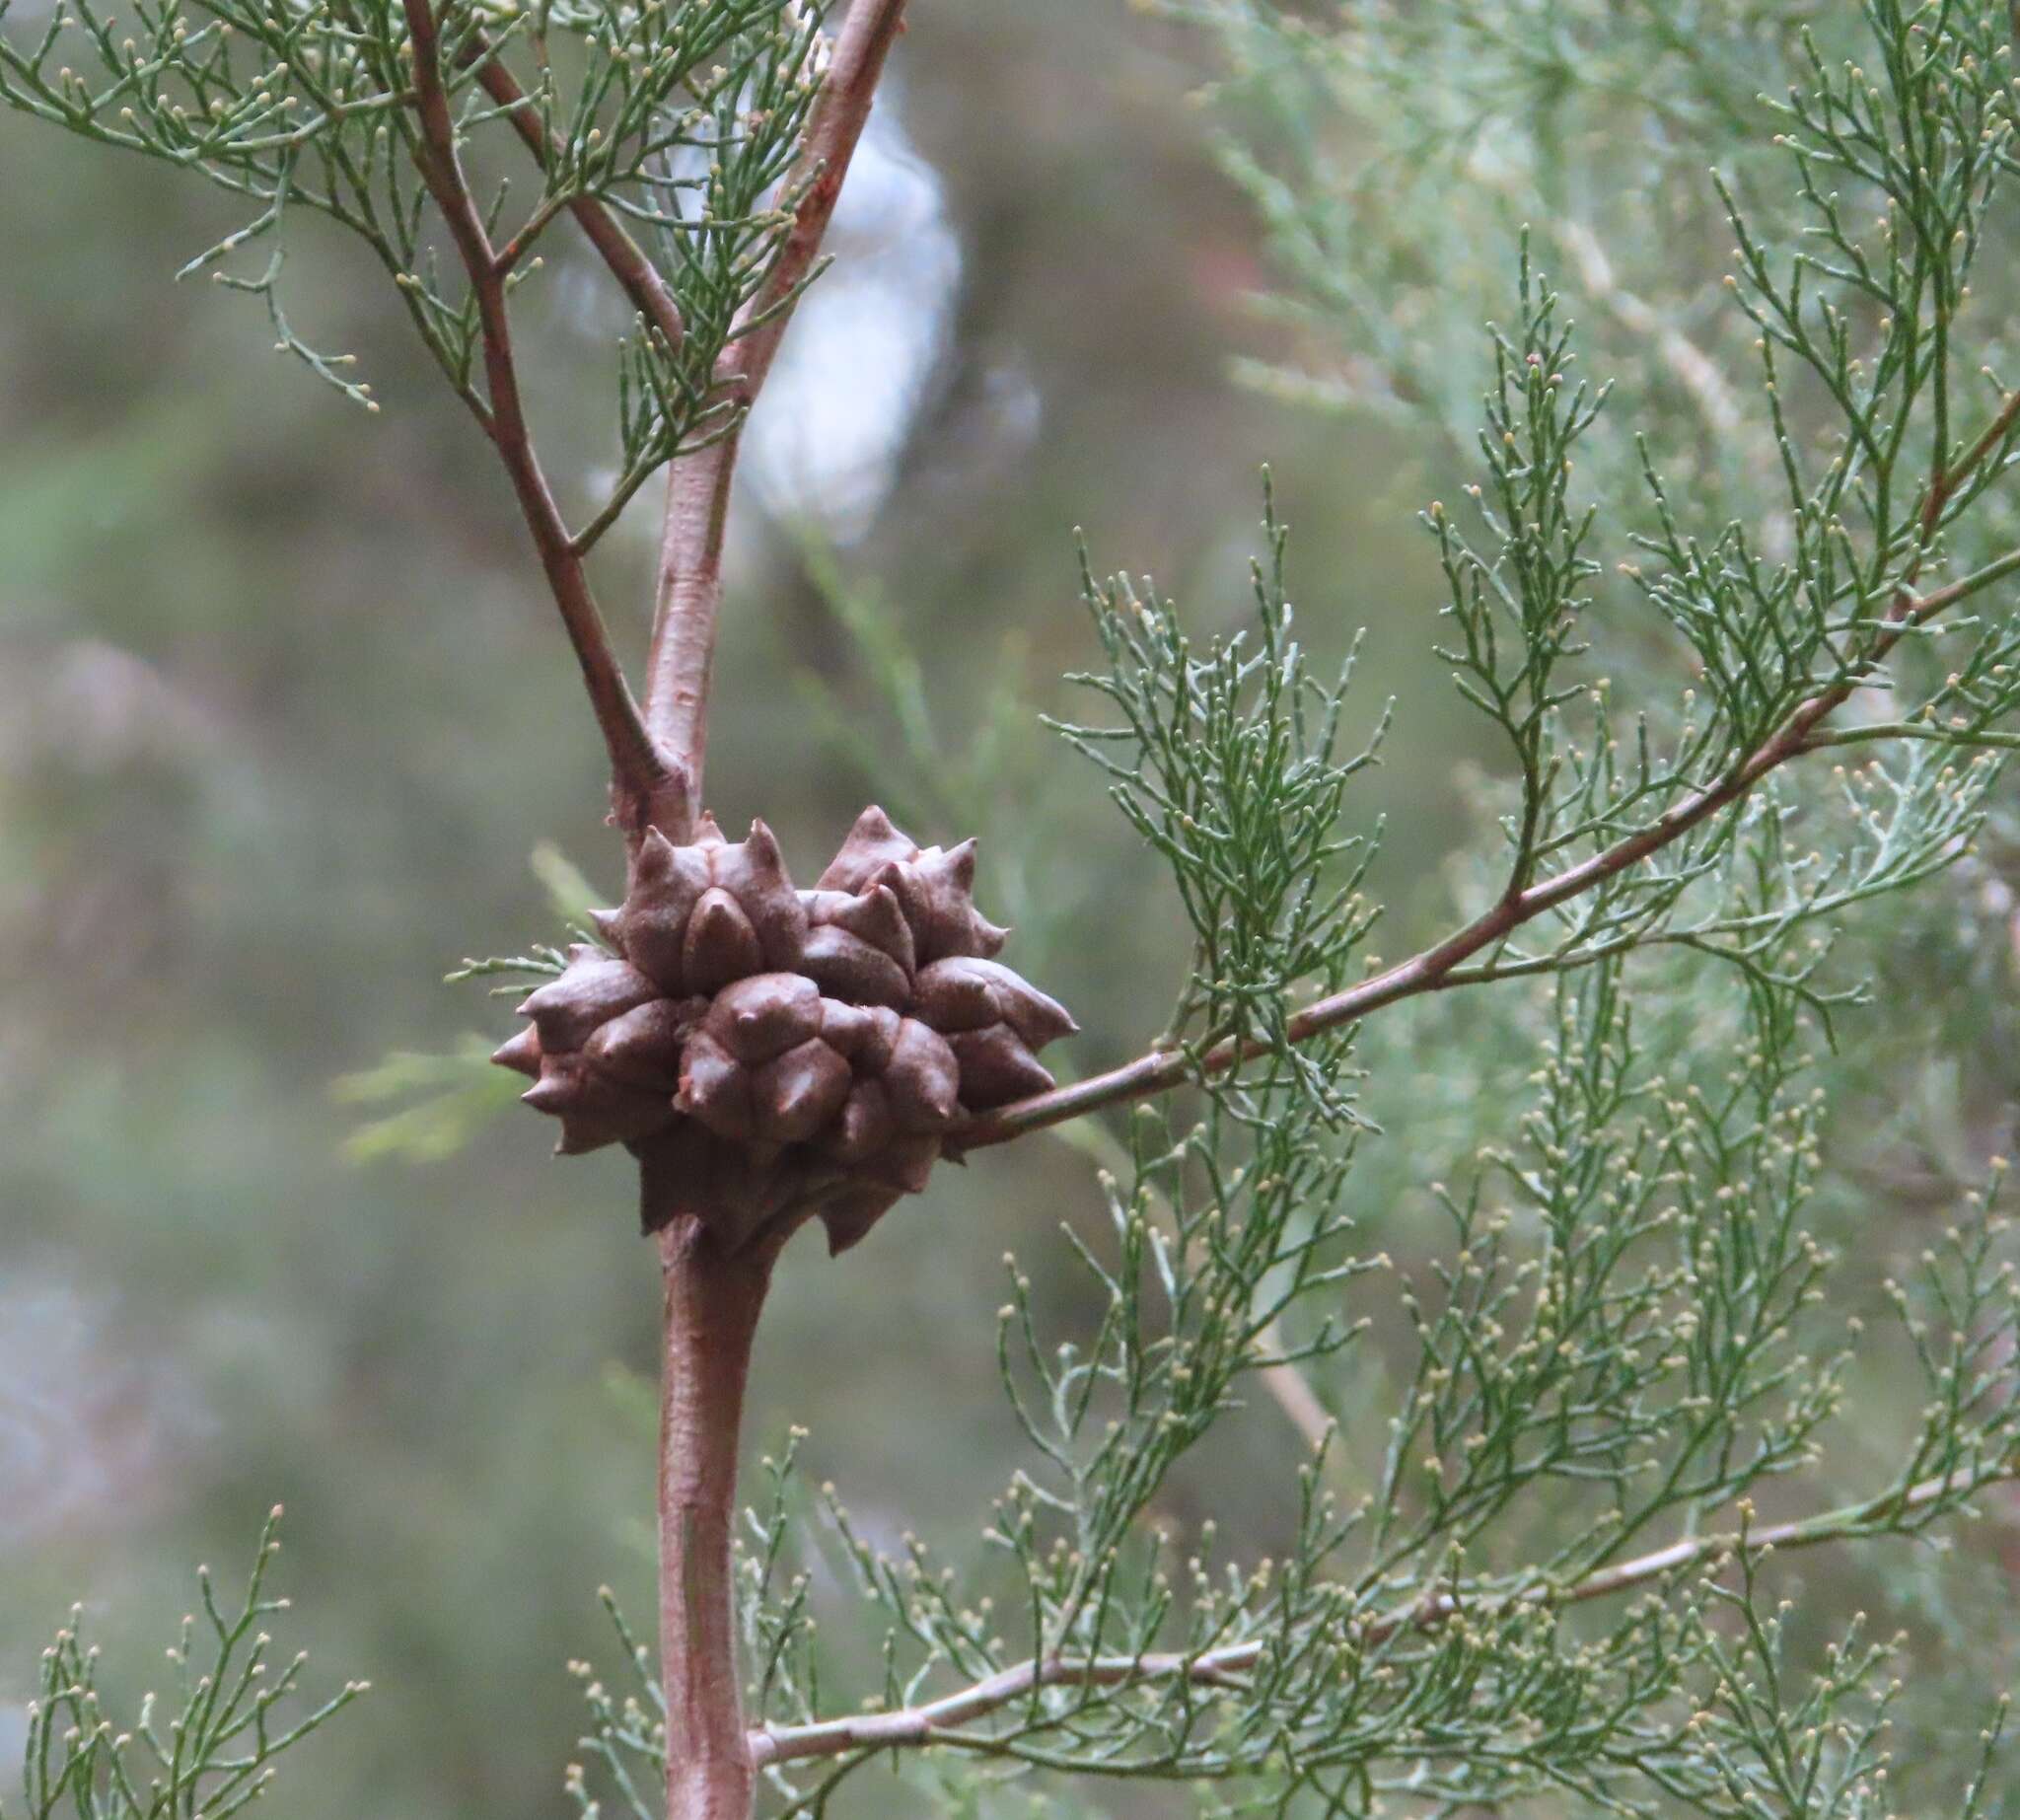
(283, 715)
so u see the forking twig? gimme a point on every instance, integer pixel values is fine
(627, 264)
(1438, 968)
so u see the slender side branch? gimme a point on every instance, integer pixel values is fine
(689, 584)
(938, 1721)
(1433, 969)
(626, 261)
(638, 774)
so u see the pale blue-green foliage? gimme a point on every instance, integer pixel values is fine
(1388, 197)
(208, 1750)
(1625, 1336)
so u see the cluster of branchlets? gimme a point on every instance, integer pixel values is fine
(1628, 1338)
(1227, 761)
(680, 120)
(235, 1718)
(626, 1735)
(1853, 516)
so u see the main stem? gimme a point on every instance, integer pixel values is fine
(712, 1297)
(712, 1302)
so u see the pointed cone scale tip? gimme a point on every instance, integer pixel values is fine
(549, 1094)
(609, 924)
(802, 1090)
(953, 995)
(715, 1089)
(849, 1218)
(655, 855)
(851, 969)
(721, 945)
(872, 841)
(520, 1054)
(996, 1068)
(1036, 1016)
(882, 919)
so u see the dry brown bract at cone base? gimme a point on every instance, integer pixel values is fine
(770, 1053)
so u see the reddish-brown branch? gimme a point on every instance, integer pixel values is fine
(689, 586)
(1434, 969)
(833, 129)
(638, 774)
(712, 1304)
(939, 1721)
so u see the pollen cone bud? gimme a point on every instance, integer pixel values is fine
(772, 1056)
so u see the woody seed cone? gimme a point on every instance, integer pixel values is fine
(773, 1054)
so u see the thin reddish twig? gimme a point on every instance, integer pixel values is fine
(626, 261)
(638, 773)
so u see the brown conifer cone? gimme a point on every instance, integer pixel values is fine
(775, 1055)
